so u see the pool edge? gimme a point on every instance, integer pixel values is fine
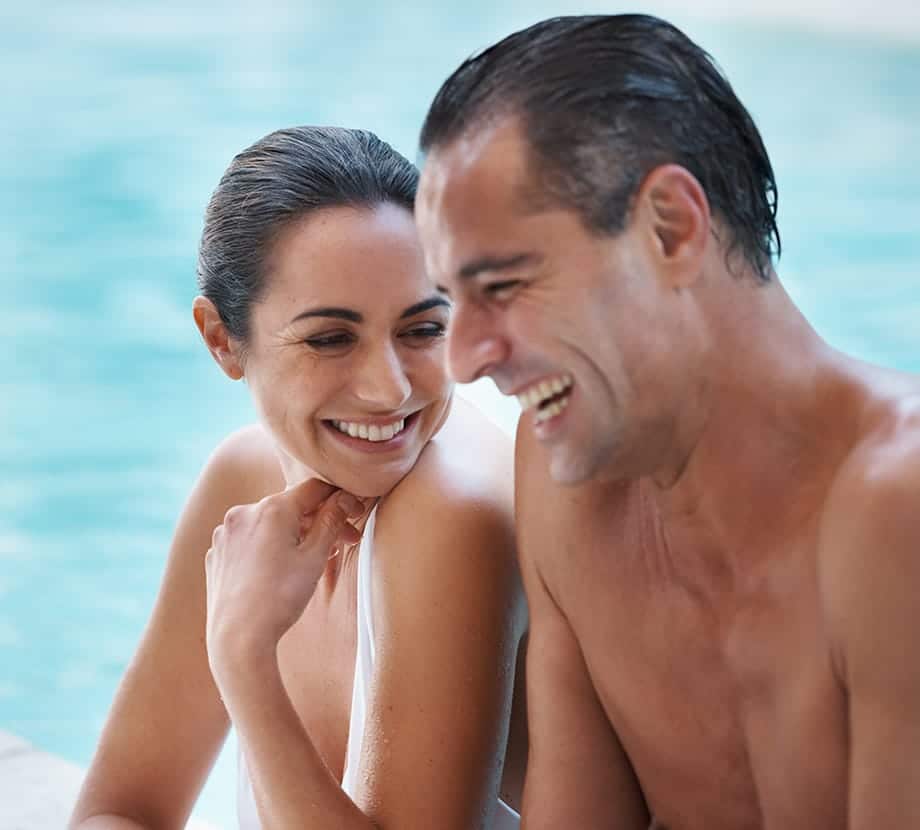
(38, 789)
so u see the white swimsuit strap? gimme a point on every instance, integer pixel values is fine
(364, 658)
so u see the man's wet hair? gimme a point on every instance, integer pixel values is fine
(604, 99)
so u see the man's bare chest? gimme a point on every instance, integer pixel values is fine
(728, 707)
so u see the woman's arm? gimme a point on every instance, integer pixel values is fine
(263, 567)
(450, 616)
(167, 721)
(291, 785)
(448, 609)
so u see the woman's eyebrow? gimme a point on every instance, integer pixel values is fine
(356, 317)
(331, 311)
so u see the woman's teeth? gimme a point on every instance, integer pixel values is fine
(372, 432)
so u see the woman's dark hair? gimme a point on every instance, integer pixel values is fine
(276, 181)
(602, 100)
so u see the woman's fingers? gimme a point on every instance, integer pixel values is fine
(307, 496)
(276, 549)
(329, 528)
(313, 512)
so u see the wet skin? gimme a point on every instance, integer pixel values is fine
(714, 531)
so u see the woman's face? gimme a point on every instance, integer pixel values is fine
(346, 353)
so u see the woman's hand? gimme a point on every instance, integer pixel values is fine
(263, 566)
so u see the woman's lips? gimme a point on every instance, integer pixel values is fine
(399, 440)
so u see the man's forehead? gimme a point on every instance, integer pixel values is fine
(486, 157)
(474, 204)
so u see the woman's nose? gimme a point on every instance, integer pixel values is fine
(383, 380)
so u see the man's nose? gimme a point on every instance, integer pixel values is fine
(475, 347)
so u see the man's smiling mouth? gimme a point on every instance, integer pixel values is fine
(549, 396)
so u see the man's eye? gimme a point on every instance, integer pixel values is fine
(501, 287)
(328, 341)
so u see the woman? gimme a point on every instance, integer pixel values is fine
(370, 683)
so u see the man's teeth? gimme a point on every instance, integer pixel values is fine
(372, 432)
(542, 391)
(548, 411)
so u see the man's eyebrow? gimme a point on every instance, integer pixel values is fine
(331, 311)
(494, 263)
(424, 305)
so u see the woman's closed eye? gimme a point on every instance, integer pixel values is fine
(332, 340)
(424, 331)
(419, 333)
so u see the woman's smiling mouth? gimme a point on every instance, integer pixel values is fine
(370, 432)
(376, 435)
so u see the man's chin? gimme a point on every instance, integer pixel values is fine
(568, 470)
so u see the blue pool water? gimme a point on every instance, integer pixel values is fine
(116, 124)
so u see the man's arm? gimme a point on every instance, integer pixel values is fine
(870, 562)
(577, 773)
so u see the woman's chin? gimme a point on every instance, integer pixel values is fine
(367, 480)
(364, 483)
(369, 487)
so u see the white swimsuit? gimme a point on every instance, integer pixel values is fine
(503, 817)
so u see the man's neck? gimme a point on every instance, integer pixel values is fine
(759, 448)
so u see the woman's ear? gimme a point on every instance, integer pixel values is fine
(223, 348)
(678, 216)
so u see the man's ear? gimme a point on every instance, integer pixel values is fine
(676, 211)
(223, 348)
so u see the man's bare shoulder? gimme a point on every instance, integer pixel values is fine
(882, 466)
(869, 533)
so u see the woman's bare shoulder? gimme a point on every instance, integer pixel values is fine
(450, 522)
(471, 460)
(244, 467)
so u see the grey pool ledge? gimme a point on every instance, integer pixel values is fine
(38, 789)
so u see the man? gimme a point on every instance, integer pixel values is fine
(719, 515)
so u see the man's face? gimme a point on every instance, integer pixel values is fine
(566, 319)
